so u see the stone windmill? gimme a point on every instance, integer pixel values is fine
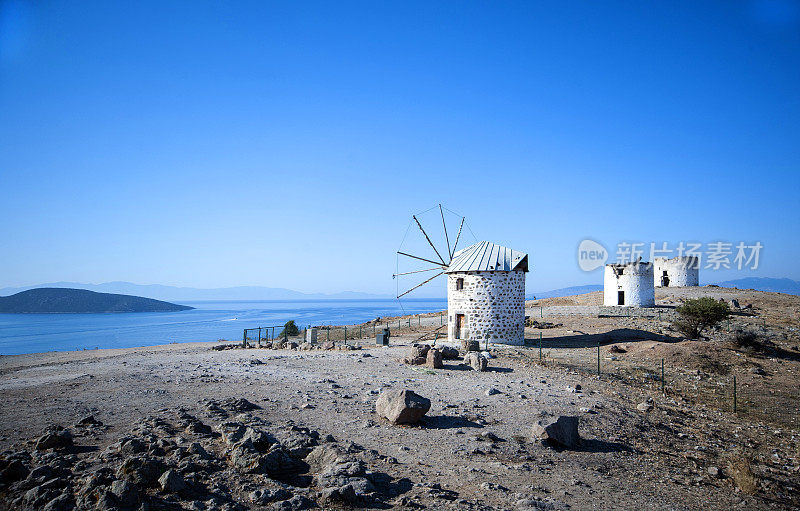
(485, 286)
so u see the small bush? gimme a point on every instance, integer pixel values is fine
(698, 314)
(742, 474)
(748, 340)
(290, 329)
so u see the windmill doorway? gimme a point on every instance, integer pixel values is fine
(665, 279)
(620, 297)
(459, 325)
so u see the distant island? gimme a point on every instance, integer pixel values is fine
(67, 300)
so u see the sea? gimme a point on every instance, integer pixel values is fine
(208, 321)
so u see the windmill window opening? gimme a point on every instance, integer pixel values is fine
(459, 284)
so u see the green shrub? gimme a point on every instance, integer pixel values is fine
(698, 314)
(290, 329)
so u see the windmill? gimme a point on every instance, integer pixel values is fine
(425, 251)
(485, 281)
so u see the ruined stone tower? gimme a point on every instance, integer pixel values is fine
(676, 272)
(629, 284)
(486, 294)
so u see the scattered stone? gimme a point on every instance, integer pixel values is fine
(491, 391)
(89, 421)
(434, 359)
(449, 353)
(125, 492)
(476, 361)
(171, 482)
(401, 406)
(562, 432)
(55, 438)
(714, 472)
(644, 406)
(470, 345)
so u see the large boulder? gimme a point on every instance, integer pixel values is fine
(55, 437)
(476, 361)
(434, 359)
(470, 345)
(419, 350)
(402, 406)
(562, 432)
(449, 353)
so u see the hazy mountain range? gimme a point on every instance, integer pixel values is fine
(184, 294)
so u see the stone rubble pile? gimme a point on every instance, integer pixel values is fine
(177, 461)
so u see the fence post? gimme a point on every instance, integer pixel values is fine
(360, 333)
(663, 389)
(541, 311)
(244, 338)
(345, 334)
(598, 358)
(540, 347)
(441, 320)
(734, 394)
(329, 332)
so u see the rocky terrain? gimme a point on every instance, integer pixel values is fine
(193, 427)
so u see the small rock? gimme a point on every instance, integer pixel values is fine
(644, 406)
(491, 391)
(714, 472)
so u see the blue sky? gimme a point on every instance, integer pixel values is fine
(287, 144)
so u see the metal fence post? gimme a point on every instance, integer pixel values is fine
(598, 358)
(244, 338)
(540, 347)
(345, 334)
(663, 389)
(329, 332)
(734, 394)
(541, 311)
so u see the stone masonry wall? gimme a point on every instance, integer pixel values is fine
(493, 304)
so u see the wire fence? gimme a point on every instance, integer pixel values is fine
(746, 393)
(429, 323)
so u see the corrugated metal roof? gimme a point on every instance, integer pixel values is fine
(486, 256)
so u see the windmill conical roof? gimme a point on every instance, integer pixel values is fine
(487, 256)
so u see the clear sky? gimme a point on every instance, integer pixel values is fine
(287, 144)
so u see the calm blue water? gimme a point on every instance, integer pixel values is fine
(34, 333)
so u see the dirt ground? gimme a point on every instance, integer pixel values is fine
(472, 450)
